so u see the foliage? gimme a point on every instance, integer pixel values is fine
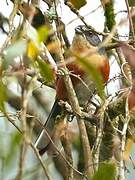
(95, 140)
(94, 75)
(78, 4)
(106, 171)
(109, 15)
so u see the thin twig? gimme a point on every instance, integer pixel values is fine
(84, 15)
(121, 173)
(26, 92)
(32, 146)
(11, 27)
(130, 20)
(77, 110)
(126, 72)
(132, 161)
(67, 162)
(42, 164)
(23, 150)
(100, 133)
(75, 11)
(40, 160)
(12, 121)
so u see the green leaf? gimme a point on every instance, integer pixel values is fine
(78, 3)
(106, 171)
(3, 96)
(37, 37)
(109, 15)
(45, 70)
(17, 49)
(13, 147)
(94, 75)
(131, 2)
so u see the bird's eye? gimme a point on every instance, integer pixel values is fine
(90, 33)
(78, 30)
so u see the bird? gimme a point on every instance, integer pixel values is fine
(85, 42)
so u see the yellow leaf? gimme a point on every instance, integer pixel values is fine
(43, 33)
(32, 50)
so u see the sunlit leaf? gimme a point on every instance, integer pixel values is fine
(45, 70)
(36, 38)
(94, 74)
(106, 171)
(3, 96)
(78, 3)
(43, 32)
(32, 50)
(13, 51)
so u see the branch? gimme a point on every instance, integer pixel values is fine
(99, 133)
(130, 20)
(68, 153)
(11, 27)
(26, 92)
(40, 160)
(32, 146)
(77, 110)
(121, 173)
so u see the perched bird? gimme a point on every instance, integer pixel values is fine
(84, 44)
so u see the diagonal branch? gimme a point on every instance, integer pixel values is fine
(77, 110)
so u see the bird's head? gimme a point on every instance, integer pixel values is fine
(91, 36)
(86, 44)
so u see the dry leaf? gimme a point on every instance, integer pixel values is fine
(129, 54)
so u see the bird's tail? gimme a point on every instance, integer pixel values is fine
(43, 141)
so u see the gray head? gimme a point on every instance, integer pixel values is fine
(91, 36)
